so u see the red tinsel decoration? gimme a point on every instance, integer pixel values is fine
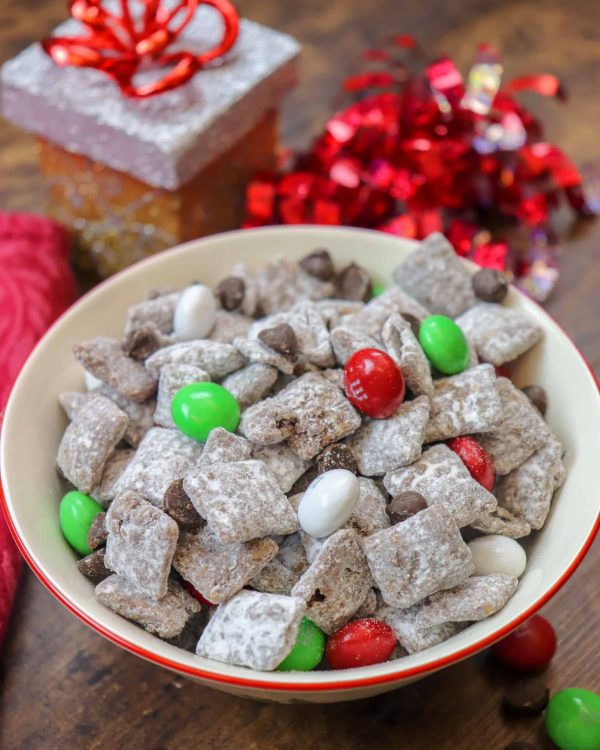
(417, 153)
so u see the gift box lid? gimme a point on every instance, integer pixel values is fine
(163, 140)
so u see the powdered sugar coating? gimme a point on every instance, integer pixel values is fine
(172, 378)
(281, 573)
(219, 570)
(215, 358)
(158, 312)
(369, 321)
(332, 310)
(435, 276)
(165, 618)
(499, 334)
(443, 479)
(251, 383)
(346, 341)
(240, 501)
(282, 283)
(253, 630)
(520, 432)
(229, 326)
(257, 352)
(286, 465)
(527, 491)
(503, 522)
(115, 465)
(369, 513)
(163, 456)
(418, 557)
(89, 440)
(104, 359)
(141, 543)
(463, 404)
(223, 446)
(474, 599)
(383, 445)
(141, 415)
(402, 346)
(413, 637)
(337, 581)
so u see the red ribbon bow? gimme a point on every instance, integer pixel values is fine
(118, 44)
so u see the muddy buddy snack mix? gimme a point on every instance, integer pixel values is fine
(284, 454)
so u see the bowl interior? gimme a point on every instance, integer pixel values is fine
(34, 423)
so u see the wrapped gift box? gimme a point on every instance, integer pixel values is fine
(134, 176)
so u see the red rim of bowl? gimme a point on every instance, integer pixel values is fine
(401, 674)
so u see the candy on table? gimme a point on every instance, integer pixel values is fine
(240, 501)
(163, 456)
(474, 599)
(88, 442)
(166, 617)
(141, 543)
(528, 490)
(104, 358)
(464, 404)
(116, 463)
(223, 446)
(518, 434)
(412, 636)
(499, 334)
(404, 348)
(418, 557)
(529, 648)
(475, 459)
(528, 697)
(360, 643)
(501, 521)
(573, 719)
(497, 554)
(219, 570)
(286, 465)
(383, 445)
(337, 581)
(374, 383)
(76, 515)
(442, 478)
(253, 630)
(172, 379)
(194, 314)
(250, 384)
(308, 650)
(328, 502)
(444, 344)
(215, 358)
(435, 276)
(198, 408)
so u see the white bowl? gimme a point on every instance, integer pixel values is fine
(34, 423)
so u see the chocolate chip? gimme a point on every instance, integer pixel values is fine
(354, 283)
(415, 323)
(489, 285)
(140, 343)
(336, 456)
(97, 533)
(281, 339)
(519, 745)
(231, 292)
(179, 506)
(319, 265)
(405, 505)
(527, 697)
(538, 397)
(93, 566)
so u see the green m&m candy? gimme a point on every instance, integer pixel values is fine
(378, 289)
(75, 515)
(573, 719)
(308, 649)
(200, 407)
(444, 344)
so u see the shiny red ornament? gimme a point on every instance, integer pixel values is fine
(529, 648)
(196, 594)
(360, 643)
(475, 458)
(118, 45)
(374, 383)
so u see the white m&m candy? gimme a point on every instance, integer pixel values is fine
(194, 313)
(497, 554)
(328, 502)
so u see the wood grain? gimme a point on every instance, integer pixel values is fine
(62, 686)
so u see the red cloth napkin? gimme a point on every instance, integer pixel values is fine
(36, 286)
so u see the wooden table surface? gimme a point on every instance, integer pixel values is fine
(63, 686)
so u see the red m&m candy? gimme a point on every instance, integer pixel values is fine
(528, 648)
(475, 459)
(360, 643)
(374, 383)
